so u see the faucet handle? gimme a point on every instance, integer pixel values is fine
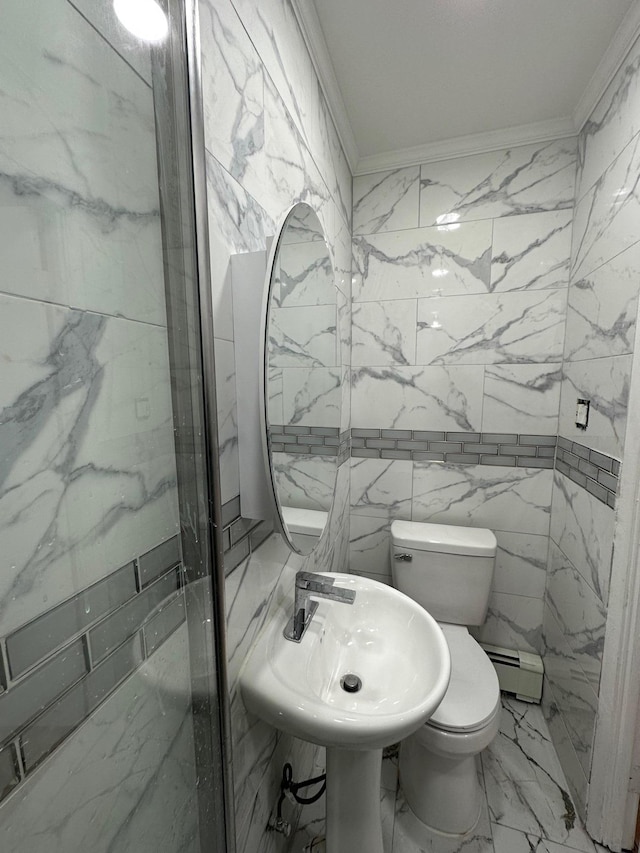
(312, 581)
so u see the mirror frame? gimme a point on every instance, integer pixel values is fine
(276, 507)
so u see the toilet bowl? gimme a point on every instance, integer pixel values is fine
(449, 571)
(438, 763)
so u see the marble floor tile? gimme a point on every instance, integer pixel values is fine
(527, 757)
(526, 788)
(506, 840)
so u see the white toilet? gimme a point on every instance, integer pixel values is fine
(448, 570)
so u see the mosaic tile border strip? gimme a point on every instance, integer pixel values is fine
(596, 472)
(318, 441)
(463, 448)
(240, 536)
(58, 668)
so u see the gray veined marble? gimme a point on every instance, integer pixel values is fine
(88, 472)
(381, 488)
(606, 218)
(369, 546)
(304, 336)
(423, 262)
(513, 622)
(437, 398)
(601, 315)
(573, 696)
(386, 201)
(531, 252)
(509, 327)
(227, 419)
(291, 174)
(583, 528)
(612, 124)
(79, 206)
(311, 396)
(509, 499)
(384, 332)
(526, 397)
(142, 740)
(579, 612)
(605, 382)
(526, 788)
(305, 481)
(528, 179)
(233, 99)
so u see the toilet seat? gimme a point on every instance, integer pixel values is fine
(472, 699)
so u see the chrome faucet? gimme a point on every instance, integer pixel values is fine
(310, 585)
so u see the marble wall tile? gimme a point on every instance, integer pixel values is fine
(386, 201)
(307, 280)
(583, 529)
(435, 398)
(272, 27)
(524, 398)
(233, 94)
(529, 179)
(237, 224)
(606, 216)
(572, 691)
(521, 564)
(384, 333)
(227, 419)
(304, 336)
(514, 622)
(141, 739)
(510, 327)
(579, 612)
(571, 766)
(87, 472)
(135, 51)
(531, 252)
(291, 174)
(274, 391)
(79, 206)
(612, 124)
(423, 262)
(369, 546)
(605, 383)
(312, 396)
(509, 499)
(381, 488)
(305, 481)
(601, 315)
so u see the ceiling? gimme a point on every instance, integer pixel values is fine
(404, 76)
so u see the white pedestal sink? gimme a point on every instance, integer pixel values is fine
(401, 656)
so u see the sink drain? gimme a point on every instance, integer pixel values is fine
(350, 683)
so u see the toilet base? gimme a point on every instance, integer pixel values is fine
(445, 794)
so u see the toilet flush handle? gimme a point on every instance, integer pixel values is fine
(406, 558)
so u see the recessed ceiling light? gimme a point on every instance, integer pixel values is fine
(144, 18)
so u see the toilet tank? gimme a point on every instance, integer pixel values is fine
(445, 568)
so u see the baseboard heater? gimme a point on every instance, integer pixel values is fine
(518, 672)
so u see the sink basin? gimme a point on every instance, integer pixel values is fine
(389, 641)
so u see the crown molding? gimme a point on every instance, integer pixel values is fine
(460, 146)
(463, 146)
(312, 32)
(615, 54)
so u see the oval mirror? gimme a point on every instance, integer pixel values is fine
(301, 394)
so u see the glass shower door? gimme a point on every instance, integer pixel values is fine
(106, 613)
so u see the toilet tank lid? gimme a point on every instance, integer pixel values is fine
(444, 538)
